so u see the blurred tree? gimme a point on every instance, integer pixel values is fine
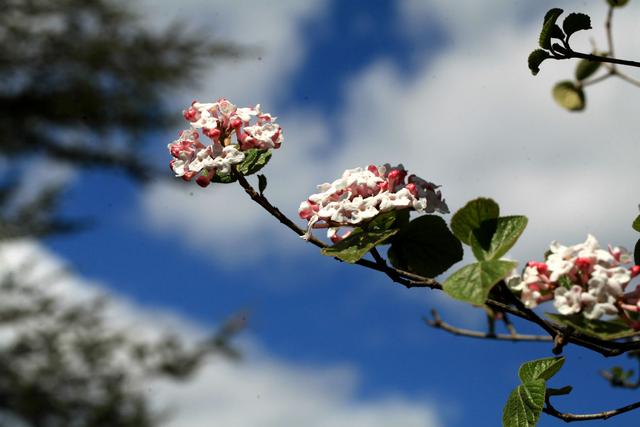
(64, 364)
(82, 82)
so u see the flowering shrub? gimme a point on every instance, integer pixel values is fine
(581, 279)
(361, 194)
(231, 136)
(589, 286)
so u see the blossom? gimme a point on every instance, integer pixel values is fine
(582, 278)
(230, 133)
(361, 194)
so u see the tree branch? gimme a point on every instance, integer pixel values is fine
(507, 302)
(438, 323)
(568, 417)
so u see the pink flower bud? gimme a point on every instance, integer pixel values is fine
(635, 270)
(211, 133)
(203, 180)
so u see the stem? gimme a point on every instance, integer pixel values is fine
(568, 417)
(508, 302)
(438, 323)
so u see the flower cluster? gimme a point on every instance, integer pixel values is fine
(361, 194)
(220, 122)
(581, 279)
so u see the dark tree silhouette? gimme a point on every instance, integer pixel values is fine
(83, 81)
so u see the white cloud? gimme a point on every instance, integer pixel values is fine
(472, 119)
(261, 391)
(270, 31)
(476, 121)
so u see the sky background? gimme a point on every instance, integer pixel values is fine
(439, 86)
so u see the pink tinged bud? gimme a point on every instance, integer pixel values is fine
(635, 270)
(190, 114)
(203, 180)
(542, 268)
(188, 176)
(175, 150)
(412, 189)
(211, 133)
(373, 169)
(383, 186)
(584, 264)
(236, 123)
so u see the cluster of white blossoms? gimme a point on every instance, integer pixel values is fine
(230, 132)
(361, 194)
(581, 279)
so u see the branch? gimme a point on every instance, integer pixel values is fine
(568, 417)
(508, 302)
(406, 279)
(438, 323)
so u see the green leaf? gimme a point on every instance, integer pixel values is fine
(393, 219)
(636, 224)
(549, 28)
(617, 3)
(524, 405)
(576, 22)
(425, 247)
(540, 369)
(586, 68)
(473, 282)
(535, 59)
(357, 244)
(636, 254)
(471, 217)
(226, 178)
(602, 329)
(569, 96)
(262, 183)
(507, 231)
(563, 391)
(254, 160)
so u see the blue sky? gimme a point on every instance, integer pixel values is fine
(440, 86)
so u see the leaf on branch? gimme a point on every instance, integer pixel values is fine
(524, 405)
(540, 369)
(586, 68)
(602, 329)
(506, 232)
(569, 96)
(361, 240)
(617, 3)
(636, 224)
(262, 183)
(576, 22)
(636, 253)
(471, 217)
(550, 29)
(226, 178)
(473, 282)
(535, 59)
(357, 244)
(425, 247)
(563, 391)
(254, 160)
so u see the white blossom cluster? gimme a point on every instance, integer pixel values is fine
(580, 279)
(361, 194)
(220, 121)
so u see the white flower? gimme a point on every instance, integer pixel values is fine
(568, 301)
(360, 194)
(220, 121)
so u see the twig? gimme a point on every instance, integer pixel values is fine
(396, 275)
(438, 323)
(511, 304)
(568, 417)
